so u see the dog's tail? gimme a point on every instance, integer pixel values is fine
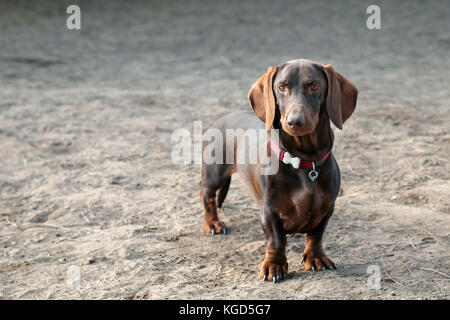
(223, 192)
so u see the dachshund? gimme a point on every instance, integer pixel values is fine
(296, 99)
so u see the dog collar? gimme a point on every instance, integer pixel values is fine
(296, 162)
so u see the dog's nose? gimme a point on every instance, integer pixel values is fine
(295, 121)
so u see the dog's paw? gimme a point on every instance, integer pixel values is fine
(215, 227)
(273, 271)
(317, 263)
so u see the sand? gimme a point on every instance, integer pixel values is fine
(86, 119)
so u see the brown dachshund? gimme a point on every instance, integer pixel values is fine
(298, 98)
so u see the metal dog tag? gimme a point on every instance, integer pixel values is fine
(312, 175)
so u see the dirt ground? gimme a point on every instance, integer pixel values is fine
(86, 119)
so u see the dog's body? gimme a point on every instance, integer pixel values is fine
(299, 98)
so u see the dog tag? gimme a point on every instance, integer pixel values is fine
(312, 175)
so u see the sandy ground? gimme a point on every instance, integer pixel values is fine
(85, 124)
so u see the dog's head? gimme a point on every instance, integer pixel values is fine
(295, 92)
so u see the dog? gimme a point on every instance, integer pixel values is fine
(298, 98)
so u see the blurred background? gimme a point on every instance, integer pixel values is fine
(193, 46)
(86, 118)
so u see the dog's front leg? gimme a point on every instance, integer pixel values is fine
(274, 267)
(314, 256)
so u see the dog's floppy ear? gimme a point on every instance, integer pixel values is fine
(341, 96)
(262, 99)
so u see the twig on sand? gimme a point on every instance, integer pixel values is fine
(410, 272)
(411, 242)
(435, 238)
(428, 269)
(13, 223)
(85, 217)
(33, 225)
(353, 171)
(393, 279)
(42, 225)
(440, 286)
(179, 226)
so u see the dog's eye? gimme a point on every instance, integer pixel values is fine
(282, 88)
(315, 87)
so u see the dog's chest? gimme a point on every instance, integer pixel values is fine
(303, 203)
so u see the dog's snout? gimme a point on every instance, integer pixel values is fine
(295, 121)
